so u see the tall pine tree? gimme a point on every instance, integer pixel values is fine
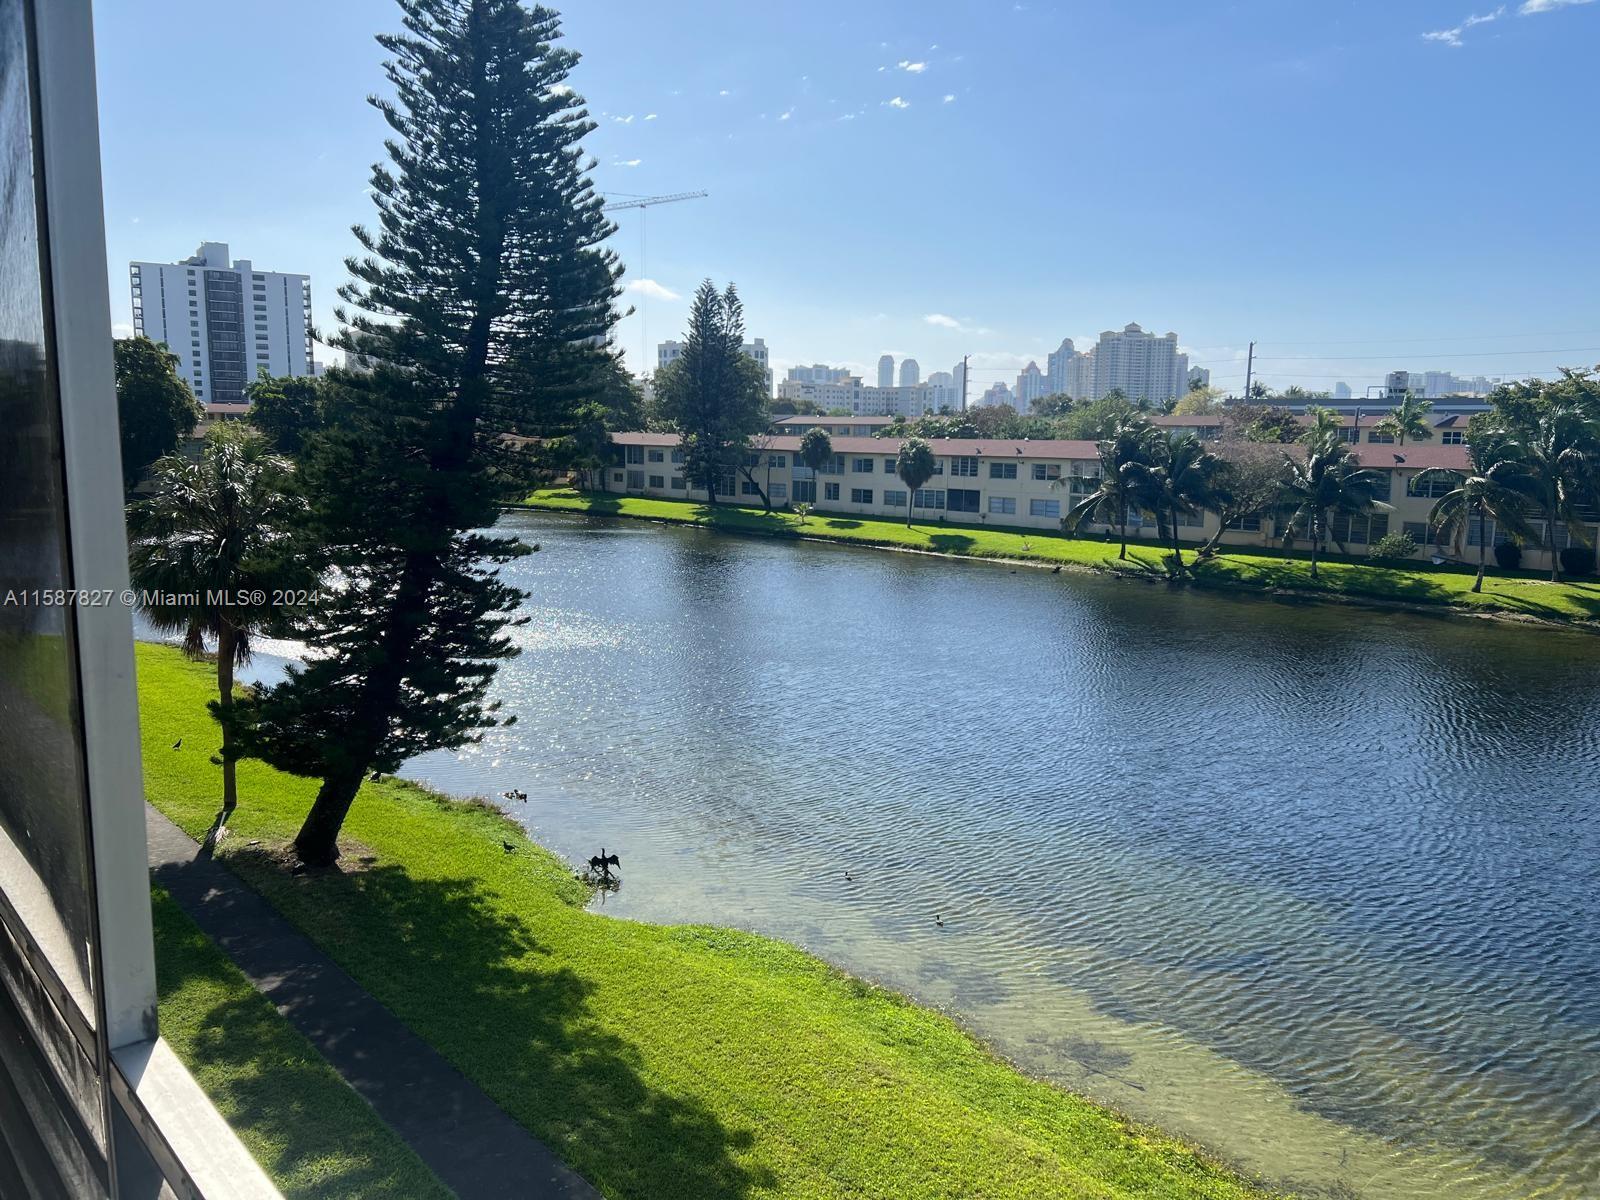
(714, 393)
(485, 304)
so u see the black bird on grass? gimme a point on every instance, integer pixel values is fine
(603, 863)
(508, 847)
(178, 745)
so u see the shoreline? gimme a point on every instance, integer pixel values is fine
(945, 1071)
(1139, 569)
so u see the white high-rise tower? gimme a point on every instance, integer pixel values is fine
(886, 371)
(910, 372)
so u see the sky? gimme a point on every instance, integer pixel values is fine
(1354, 185)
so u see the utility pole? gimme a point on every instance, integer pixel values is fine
(965, 371)
(1249, 371)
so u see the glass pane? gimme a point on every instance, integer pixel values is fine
(44, 872)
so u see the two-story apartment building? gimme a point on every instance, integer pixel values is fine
(1023, 485)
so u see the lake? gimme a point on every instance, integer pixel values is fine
(1316, 887)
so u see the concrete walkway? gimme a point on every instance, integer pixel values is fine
(465, 1137)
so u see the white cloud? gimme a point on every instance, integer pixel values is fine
(786, 114)
(1452, 37)
(949, 98)
(627, 120)
(944, 321)
(724, 92)
(626, 162)
(649, 116)
(897, 102)
(916, 68)
(1532, 8)
(651, 289)
(847, 117)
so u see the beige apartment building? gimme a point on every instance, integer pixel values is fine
(1020, 485)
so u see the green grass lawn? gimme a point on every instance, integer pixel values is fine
(1523, 593)
(311, 1133)
(662, 1062)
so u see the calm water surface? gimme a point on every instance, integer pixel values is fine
(1316, 888)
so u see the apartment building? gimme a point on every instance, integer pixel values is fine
(671, 351)
(1016, 485)
(225, 321)
(1140, 365)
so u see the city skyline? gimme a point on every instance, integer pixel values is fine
(1394, 278)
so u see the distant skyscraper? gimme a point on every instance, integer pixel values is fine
(1341, 391)
(1199, 377)
(998, 393)
(224, 321)
(958, 380)
(669, 352)
(1032, 385)
(886, 371)
(1140, 365)
(942, 391)
(910, 372)
(818, 373)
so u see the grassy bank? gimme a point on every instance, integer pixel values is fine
(1524, 593)
(311, 1133)
(661, 1061)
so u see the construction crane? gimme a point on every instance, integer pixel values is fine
(644, 204)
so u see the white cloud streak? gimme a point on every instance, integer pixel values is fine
(652, 290)
(915, 68)
(898, 102)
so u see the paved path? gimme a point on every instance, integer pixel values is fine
(465, 1137)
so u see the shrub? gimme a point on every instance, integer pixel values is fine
(1508, 555)
(1395, 545)
(1577, 560)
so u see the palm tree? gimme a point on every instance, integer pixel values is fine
(210, 556)
(1328, 481)
(816, 448)
(1123, 459)
(915, 466)
(1324, 423)
(1492, 490)
(1558, 456)
(1180, 479)
(1408, 419)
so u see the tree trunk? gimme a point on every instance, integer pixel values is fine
(910, 492)
(1316, 541)
(1124, 529)
(227, 647)
(1477, 584)
(317, 843)
(1177, 552)
(750, 476)
(1550, 540)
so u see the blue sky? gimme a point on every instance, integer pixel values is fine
(1356, 185)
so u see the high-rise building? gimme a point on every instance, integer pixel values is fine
(1069, 373)
(1140, 365)
(670, 352)
(1032, 384)
(942, 391)
(886, 371)
(910, 372)
(225, 321)
(818, 373)
(1199, 377)
(958, 378)
(1341, 391)
(997, 393)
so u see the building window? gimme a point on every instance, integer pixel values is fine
(861, 495)
(677, 456)
(1417, 531)
(633, 454)
(1047, 471)
(1044, 508)
(894, 498)
(965, 468)
(1453, 437)
(778, 460)
(1244, 525)
(616, 477)
(890, 466)
(1359, 530)
(780, 491)
(1433, 489)
(657, 482)
(830, 491)
(964, 500)
(861, 466)
(1003, 506)
(746, 488)
(1350, 434)
(938, 466)
(1002, 470)
(677, 483)
(1382, 439)
(636, 479)
(805, 491)
(656, 456)
(928, 498)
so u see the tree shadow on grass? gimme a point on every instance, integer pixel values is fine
(951, 543)
(476, 983)
(841, 523)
